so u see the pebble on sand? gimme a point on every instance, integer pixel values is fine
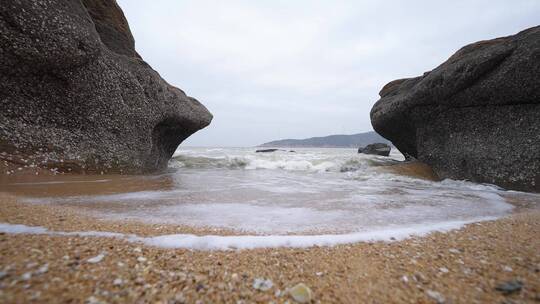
(510, 287)
(93, 300)
(507, 268)
(443, 270)
(439, 298)
(301, 293)
(141, 259)
(43, 269)
(98, 258)
(262, 284)
(26, 276)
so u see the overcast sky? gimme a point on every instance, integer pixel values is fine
(270, 70)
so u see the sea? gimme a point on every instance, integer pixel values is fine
(293, 196)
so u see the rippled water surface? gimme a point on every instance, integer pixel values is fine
(307, 191)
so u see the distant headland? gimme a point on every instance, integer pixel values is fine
(330, 141)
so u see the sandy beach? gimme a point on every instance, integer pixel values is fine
(462, 266)
(269, 152)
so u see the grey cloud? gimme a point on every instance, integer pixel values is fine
(276, 69)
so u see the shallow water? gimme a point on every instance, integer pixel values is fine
(304, 192)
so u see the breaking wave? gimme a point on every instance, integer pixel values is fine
(281, 161)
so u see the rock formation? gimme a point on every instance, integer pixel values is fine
(376, 149)
(75, 95)
(474, 117)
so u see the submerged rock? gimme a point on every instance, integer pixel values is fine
(411, 168)
(76, 97)
(376, 149)
(475, 117)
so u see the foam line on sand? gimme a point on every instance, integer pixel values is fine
(216, 242)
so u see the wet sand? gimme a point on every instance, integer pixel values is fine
(462, 266)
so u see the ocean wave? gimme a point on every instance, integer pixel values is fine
(283, 161)
(201, 162)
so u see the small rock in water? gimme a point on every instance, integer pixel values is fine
(454, 251)
(301, 293)
(443, 270)
(3, 274)
(98, 258)
(26, 276)
(137, 249)
(510, 287)
(405, 279)
(262, 284)
(118, 282)
(439, 298)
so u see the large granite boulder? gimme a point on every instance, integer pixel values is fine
(474, 117)
(75, 95)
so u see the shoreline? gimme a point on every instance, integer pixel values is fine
(461, 266)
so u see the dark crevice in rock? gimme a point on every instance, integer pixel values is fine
(167, 135)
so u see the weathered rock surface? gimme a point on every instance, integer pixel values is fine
(376, 149)
(474, 117)
(76, 96)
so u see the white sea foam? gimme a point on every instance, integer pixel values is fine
(303, 160)
(21, 229)
(215, 242)
(312, 191)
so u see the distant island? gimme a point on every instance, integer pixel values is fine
(331, 141)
